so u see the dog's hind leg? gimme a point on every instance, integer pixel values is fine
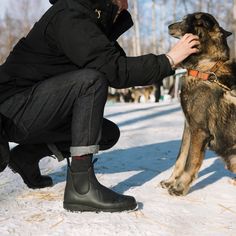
(181, 159)
(199, 140)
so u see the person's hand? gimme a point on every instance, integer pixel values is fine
(187, 45)
(122, 4)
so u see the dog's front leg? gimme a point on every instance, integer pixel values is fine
(198, 142)
(231, 163)
(181, 159)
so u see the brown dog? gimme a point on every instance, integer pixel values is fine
(208, 100)
(146, 92)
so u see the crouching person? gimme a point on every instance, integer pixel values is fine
(53, 89)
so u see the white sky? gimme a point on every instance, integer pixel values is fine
(4, 4)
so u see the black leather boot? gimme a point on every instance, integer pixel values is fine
(83, 192)
(24, 160)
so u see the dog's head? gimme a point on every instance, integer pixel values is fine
(213, 44)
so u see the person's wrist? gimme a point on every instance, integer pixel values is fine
(171, 60)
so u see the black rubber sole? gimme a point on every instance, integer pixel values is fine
(83, 208)
(16, 169)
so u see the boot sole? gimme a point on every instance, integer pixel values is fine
(84, 208)
(16, 169)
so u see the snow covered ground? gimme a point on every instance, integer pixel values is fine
(144, 155)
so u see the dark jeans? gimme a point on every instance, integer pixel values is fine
(66, 109)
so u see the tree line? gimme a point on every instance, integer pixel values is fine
(151, 19)
(148, 35)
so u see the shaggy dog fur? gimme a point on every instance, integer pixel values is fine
(209, 105)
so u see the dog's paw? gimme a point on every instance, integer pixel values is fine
(233, 181)
(166, 184)
(178, 190)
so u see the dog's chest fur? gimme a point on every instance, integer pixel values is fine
(207, 106)
(195, 99)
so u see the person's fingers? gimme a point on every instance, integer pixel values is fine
(186, 36)
(190, 37)
(194, 43)
(194, 50)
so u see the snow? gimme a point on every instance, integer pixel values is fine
(149, 143)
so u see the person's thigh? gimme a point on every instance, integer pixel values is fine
(59, 140)
(44, 112)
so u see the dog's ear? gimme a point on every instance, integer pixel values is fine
(204, 21)
(225, 32)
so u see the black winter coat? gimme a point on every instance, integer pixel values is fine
(76, 34)
(71, 35)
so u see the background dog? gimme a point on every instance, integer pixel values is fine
(207, 100)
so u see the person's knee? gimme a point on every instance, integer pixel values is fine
(110, 135)
(97, 79)
(89, 79)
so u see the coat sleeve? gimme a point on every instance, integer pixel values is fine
(83, 42)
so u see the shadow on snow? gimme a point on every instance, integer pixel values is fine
(148, 162)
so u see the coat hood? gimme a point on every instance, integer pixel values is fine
(92, 3)
(106, 7)
(104, 19)
(102, 10)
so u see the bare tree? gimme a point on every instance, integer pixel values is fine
(154, 27)
(16, 24)
(234, 28)
(149, 34)
(136, 36)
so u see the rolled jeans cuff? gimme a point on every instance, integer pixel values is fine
(84, 150)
